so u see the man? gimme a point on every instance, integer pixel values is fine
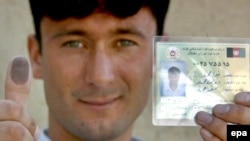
(172, 88)
(95, 59)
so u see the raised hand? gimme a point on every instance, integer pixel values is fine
(15, 123)
(214, 126)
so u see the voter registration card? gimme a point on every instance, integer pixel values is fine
(194, 74)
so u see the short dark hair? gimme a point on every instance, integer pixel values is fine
(62, 9)
(174, 70)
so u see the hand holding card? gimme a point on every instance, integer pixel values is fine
(195, 74)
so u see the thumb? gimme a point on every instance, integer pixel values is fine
(17, 83)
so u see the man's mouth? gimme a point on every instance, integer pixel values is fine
(100, 104)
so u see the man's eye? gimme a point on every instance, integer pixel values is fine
(125, 43)
(73, 44)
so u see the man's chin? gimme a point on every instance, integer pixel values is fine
(101, 130)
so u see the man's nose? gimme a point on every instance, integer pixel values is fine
(100, 68)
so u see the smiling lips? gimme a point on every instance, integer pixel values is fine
(99, 104)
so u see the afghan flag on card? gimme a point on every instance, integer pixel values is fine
(236, 52)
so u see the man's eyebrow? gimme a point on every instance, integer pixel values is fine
(119, 31)
(73, 32)
(132, 31)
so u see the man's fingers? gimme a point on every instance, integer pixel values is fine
(242, 98)
(214, 125)
(17, 83)
(12, 111)
(232, 113)
(208, 136)
(14, 108)
(14, 131)
(36, 134)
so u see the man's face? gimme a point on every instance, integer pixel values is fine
(97, 72)
(174, 78)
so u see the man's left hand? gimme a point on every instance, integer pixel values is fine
(214, 126)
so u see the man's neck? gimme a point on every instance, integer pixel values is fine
(173, 87)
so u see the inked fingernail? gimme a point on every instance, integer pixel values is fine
(221, 109)
(19, 70)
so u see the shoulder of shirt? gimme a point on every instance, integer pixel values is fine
(44, 137)
(135, 139)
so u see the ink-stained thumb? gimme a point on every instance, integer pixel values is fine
(17, 83)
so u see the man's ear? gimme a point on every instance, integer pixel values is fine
(35, 56)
